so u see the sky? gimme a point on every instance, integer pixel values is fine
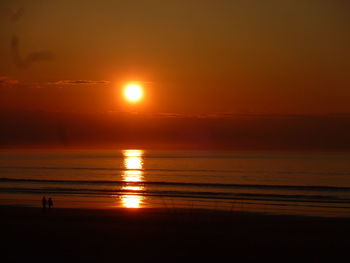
(193, 58)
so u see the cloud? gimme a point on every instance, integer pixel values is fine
(30, 58)
(7, 82)
(80, 82)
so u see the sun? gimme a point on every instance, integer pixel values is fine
(133, 92)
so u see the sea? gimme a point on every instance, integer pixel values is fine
(296, 183)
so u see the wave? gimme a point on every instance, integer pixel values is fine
(182, 184)
(180, 194)
(178, 170)
(192, 155)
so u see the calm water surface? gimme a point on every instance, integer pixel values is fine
(274, 182)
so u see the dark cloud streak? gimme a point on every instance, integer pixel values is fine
(7, 82)
(80, 82)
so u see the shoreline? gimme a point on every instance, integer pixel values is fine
(171, 206)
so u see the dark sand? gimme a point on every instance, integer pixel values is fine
(160, 235)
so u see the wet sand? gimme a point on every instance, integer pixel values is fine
(168, 235)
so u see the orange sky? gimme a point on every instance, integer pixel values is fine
(257, 57)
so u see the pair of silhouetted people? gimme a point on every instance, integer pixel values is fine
(45, 202)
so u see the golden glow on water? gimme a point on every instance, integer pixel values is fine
(132, 176)
(132, 153)
(132, 201)
(133, 165)
(133, 188)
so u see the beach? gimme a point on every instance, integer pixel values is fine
(168, 235)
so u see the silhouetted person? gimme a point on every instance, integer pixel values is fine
(43, 203)
(50, 203)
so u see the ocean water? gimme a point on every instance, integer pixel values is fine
(304, 183)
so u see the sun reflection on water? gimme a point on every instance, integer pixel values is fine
(132, 174)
